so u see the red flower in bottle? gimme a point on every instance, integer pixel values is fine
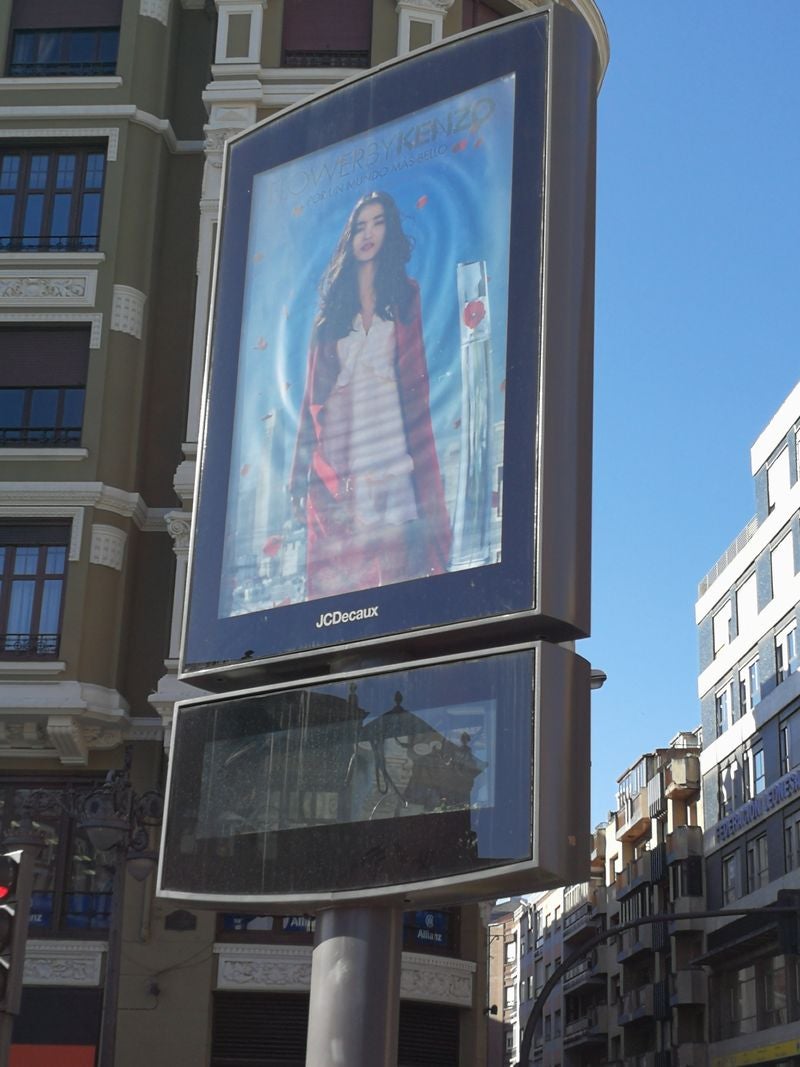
(474, 313)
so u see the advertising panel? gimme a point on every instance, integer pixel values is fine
(375, 395)
(393, 783)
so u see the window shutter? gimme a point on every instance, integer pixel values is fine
(320, 26)
(65, 14)
(37, 358)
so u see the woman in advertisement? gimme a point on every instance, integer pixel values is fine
(365, 478)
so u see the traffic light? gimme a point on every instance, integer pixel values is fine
(14, 909)
(788, 922)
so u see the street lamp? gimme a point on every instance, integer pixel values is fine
(115, 818)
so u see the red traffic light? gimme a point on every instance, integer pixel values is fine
(9, 872)
(4, 892)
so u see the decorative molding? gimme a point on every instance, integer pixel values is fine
(65, 497)
(127, 310)
(108, 546)
(92, 83)
(288, 968)
(437, 978)
(45, 511)
(42, 455)
(61, 259)
(65, 720)
(63, 963)
(179, 527)
(269, 967)
(155, 9)
(45, 666)
(145, 728)
(59, 133)
(169, 692)
(49, 287)
(428, 12)
(95, 320)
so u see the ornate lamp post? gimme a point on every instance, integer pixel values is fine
(116, 819)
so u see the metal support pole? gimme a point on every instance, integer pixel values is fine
(355, 988)
(108, 1024)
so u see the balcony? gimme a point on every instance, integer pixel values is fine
(585, 917)
(589, 972)
(682, 778)
(687, 905)
(632, 821)
(589, 1029)
(690, 1054)
(636, 1005)
(634, 942)
(687, 987)
(683, 842)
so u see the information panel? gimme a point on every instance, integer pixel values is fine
(373, 465)
(393, 782)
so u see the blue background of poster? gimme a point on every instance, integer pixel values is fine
(449, 168)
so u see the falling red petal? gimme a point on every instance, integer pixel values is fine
(268, 415)
(503, 386)
(423, 200)
(272, 546)
(245, 470)
(459, 146)
(478, 142)
(298, 210)
(261, 344)
(456, 424)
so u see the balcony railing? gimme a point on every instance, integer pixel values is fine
(683, 842)
(90, 69)
(682, 777)
(350, 59)
(17, 242)
(40, 436)
(633, 818)
(28, 646)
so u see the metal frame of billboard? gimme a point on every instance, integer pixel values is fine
(558, 710)
(539, 587)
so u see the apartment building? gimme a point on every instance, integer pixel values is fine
(636, 999)
(749, 687)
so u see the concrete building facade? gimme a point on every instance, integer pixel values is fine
(749, 687)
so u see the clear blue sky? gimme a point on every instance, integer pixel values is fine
(697, 333)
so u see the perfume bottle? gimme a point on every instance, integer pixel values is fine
(472, 511)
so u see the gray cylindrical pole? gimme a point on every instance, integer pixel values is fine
(355, 988)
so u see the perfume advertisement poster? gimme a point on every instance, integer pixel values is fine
(370, 406)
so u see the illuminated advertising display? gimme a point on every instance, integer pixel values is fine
(390, 783)
(372, 469)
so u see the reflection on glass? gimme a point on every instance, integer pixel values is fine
(344, 765)
(406, 775)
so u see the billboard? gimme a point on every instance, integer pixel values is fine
(372, 467)
(438, 782)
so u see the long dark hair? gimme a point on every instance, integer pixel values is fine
(339, 303)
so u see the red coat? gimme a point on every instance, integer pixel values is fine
(324, 488)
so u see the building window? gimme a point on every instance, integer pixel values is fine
(789, 739)
(548, 1025)
(730, 890)
(33, 567)
(778, 478)
(510, 996)
(757, 863)
(791, 841)
(317, 33)
(754, 777)
(723, 708)
(557, 1023)
(43, 375)
(687, 877)
(746, 605)
(51, 38)
(782, 564)
(50, 198)
(786, 650)
(722, 625)
(73, 882)
(749, 692)
(511, 951)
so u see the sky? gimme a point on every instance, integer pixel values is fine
(696, 342)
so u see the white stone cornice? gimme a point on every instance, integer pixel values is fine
(42, 455)
(39, 495)
(94, 319)
(63, 963)
(170, 691)
(36, 259)
(437, 979)
(57, 84)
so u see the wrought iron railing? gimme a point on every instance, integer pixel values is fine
(17, 242)
(28, 645)
(324, 58)
(89, 69)
(40, 436)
